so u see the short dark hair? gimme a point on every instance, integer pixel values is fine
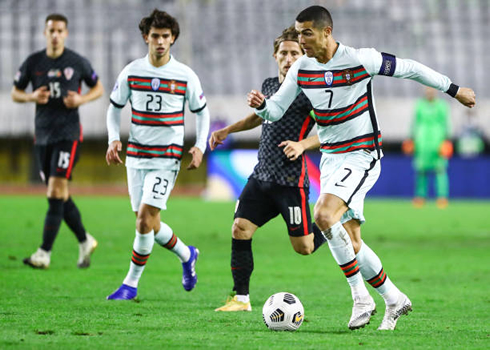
(57, 17)
(159, 19)
(319, 15)
(288, 34)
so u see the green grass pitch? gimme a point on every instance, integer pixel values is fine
(439, 258)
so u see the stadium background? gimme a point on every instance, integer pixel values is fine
(229, 45)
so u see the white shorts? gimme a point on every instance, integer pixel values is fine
(349, 176)
(150, 186)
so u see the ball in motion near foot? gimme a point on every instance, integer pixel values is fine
(283, 312)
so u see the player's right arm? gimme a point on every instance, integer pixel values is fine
(21, 81)
(119, 97)
(219, 136)
(277, 105)
(39, 96)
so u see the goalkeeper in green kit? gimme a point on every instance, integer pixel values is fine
(430, 147)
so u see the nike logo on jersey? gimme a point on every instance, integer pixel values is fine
(339, 185)
(155, 197)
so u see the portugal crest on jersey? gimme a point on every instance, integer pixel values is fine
(347, 75)
(328, 78)
(173, 86)
(155, 84)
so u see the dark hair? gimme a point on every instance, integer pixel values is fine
(288, 34)
(57, 17)
(159, 19)
(319, 15)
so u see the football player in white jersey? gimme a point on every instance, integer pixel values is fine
(157, 86)
(338, 81)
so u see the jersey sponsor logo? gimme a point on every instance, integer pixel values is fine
(68, 71)
(94, 76)
(155, 84)
(201, 96)
(347, 75)
(54, 73)
(116, 86)
(17, 75)
(328, 78)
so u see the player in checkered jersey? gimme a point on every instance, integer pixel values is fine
(157, 87)
(338, 81)
(56, 74)
(279, 183)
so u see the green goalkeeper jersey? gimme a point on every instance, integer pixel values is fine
(430, 128)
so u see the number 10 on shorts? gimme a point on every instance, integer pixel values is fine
(294, 215)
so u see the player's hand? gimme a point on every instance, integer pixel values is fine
(217, 138)
(196, 158)
(466, 96)
(255, 98)
(112, 154)
(292, 149)
(72, 100)
(41, 95)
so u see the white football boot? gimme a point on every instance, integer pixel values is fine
(393, 313)
(39, 260)
(362, 311)
(85, 250)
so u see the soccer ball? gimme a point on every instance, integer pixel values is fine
(283, 312)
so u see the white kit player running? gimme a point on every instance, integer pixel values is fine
(157, 87)
(338, 81)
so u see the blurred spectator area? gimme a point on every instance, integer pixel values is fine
(229, 45)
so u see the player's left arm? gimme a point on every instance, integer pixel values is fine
(74, 99)
(202, 131)
(390, 65)
(294, 149)
(198, 105)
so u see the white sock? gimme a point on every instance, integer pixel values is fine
(340, 245)
(243, 298)
(166, 238)
(372, 271)
(142, 246)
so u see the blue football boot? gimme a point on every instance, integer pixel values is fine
(189, 276)
(124, 292)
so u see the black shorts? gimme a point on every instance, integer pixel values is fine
(261, 201)
(57, 159)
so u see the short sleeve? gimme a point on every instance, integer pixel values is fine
(89, 76)
(194, 94)
(23, 75)
(121, 92)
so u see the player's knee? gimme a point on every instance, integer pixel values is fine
(144, 223)
(239, 231)
(324, 219)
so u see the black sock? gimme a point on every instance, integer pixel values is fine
(73, 219)
(52, 223)
(242, 264)
(318, 237)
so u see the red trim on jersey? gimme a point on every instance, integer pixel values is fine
(81, 133)
(303, 211)
(302, 178)
(302, 133)
(72, 158)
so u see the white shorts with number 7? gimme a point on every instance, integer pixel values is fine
(150, 186)
(349, 176)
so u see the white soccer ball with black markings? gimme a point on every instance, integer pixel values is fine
(283, 312)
